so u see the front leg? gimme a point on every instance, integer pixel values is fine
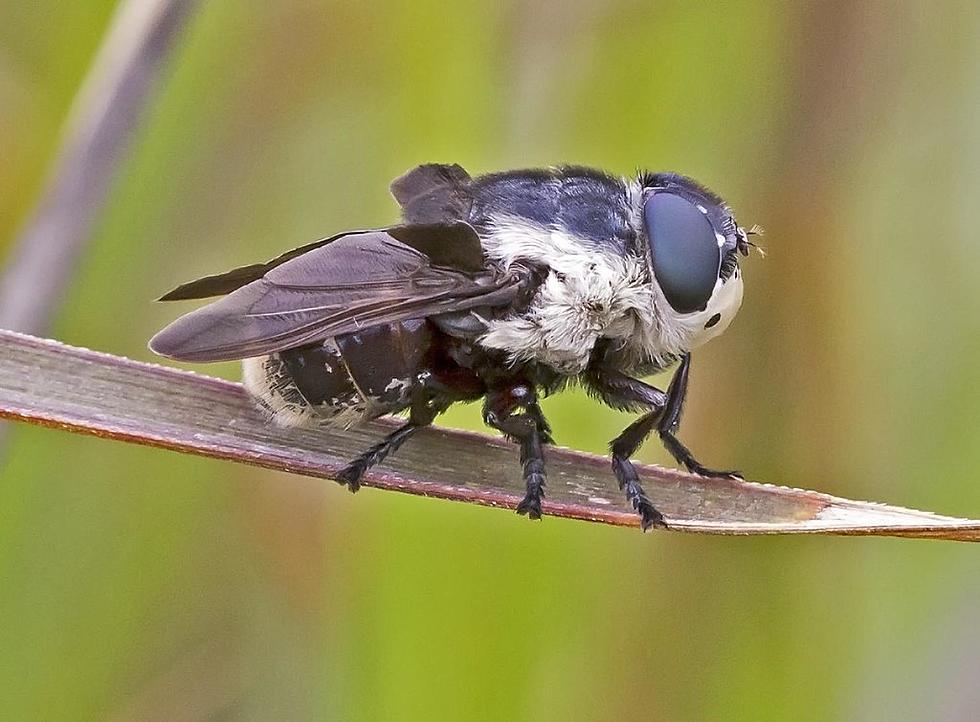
(623, 392)
(670, 420)
(663, 415)
(529, 429)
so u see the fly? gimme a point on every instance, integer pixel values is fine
(503, 287)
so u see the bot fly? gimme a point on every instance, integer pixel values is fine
(501, 287)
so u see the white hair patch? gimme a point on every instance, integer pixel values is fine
(592, 293)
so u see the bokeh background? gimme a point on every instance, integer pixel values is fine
(141, 584)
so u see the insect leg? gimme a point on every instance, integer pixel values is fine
(533, 409)
(422, 414)
(624, 392)
(350, 475)
(622, 448)
(529, 429)
(671, 417)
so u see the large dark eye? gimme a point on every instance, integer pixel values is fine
(685, 251)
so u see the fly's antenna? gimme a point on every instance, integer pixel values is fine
(744, 243)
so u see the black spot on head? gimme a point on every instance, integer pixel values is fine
(713, 320)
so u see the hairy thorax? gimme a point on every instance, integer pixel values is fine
(590, 293)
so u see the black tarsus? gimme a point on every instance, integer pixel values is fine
(622, 448)
(626, 393)
(423, 411)
(670, 419)
(350, 476)
(530, 429)
(663, 415)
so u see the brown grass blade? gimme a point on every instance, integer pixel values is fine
(48, 383)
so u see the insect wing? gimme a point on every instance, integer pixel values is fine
(357, 281)
(224, 283)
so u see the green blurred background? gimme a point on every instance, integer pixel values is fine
(142, 584)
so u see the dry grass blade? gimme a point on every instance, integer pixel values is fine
(49, 383)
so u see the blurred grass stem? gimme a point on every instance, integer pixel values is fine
(97, 135)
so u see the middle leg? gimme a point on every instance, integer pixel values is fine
(529, 429)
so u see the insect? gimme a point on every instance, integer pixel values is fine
(502, 287)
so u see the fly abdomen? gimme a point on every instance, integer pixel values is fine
(384, 361)
(343, 380)
(322, 378)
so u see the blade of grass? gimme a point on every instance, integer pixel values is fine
(45, 382)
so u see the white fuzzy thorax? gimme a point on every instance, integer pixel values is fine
(590, 294)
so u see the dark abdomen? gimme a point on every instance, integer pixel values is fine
(347, 379)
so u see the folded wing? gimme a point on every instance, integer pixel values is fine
(353, 282)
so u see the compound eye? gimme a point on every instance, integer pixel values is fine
(684, 247)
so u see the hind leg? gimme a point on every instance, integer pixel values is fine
(423, 412)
